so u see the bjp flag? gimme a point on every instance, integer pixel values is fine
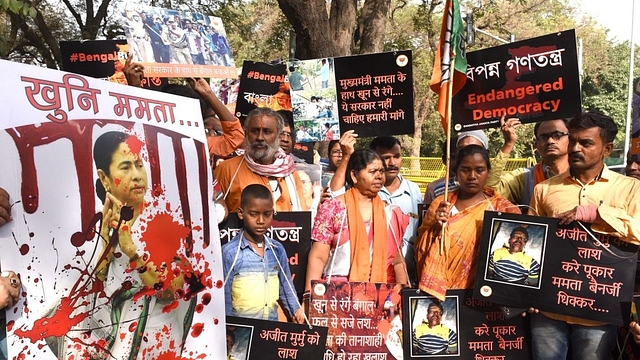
(450, 52)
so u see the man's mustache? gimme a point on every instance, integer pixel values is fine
(389, 168)
(575, 155)
(258, 143)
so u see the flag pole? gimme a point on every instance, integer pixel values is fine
(448, 146)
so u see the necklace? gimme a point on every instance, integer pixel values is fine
(258, 244)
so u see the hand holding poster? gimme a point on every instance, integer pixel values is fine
(114, 247)
(587, 275)
(533, 80)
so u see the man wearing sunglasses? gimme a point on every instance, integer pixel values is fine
(551, 142)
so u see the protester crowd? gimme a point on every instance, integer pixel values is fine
(176, 39)
(366, 227)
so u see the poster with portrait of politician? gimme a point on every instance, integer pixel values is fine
(118, 253)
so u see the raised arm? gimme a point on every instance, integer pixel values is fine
(347, 145)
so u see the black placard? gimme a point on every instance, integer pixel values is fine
(363, 318)
(375, 93)
(535, 80)
(262, 85)
(292, 229)
(101, 59)
(253, 339)
(579, 275)
(304, 150)
(480, 329)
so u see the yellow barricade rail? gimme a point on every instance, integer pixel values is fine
(423, 170)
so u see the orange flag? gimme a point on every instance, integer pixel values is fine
(451, 47)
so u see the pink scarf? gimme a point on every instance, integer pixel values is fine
(282, 166)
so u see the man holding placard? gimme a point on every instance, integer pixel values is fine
(590, 193)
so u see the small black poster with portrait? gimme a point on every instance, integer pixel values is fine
(534, 80)
(461, 327)
(375, 93)
(292, 229)
(262, 85)
(526, 261)
(253, 339)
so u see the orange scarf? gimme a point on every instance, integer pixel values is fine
(538, 174)
(363, 264)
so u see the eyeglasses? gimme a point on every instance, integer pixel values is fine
(521, 238)
(556, 135)
(336, 153)
(285, 134)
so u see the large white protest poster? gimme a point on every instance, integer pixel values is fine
(113, 230)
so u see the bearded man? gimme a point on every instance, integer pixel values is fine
(263, 162)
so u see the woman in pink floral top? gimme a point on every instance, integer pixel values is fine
(356, 236)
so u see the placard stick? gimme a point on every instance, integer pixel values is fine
(448, 146)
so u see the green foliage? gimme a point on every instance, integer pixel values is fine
(18, 7)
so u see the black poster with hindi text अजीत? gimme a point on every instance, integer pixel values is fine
(472, 329)
(253, 339)
(567, 270)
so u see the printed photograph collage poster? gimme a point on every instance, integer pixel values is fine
(175, 43)
(117, 252)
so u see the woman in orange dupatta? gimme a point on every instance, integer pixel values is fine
(356, 235)
(463, 213)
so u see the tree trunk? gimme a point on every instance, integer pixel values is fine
(373, 25)
(310, 21)
(319, 34)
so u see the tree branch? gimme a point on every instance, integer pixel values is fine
(73, 13)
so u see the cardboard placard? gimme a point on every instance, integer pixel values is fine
(262, 85)
(253, 339)
(102, 59)
(363, 318)
(375, 93)
(292, 229)
(304, 150)
(535, 80)
(581, 273)
(460, 327)
(98, 280)
(175, 43)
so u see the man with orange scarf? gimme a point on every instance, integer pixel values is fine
(551, 143)
(263, 162)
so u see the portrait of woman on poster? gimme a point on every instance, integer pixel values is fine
(136, 290)
(450, 261)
